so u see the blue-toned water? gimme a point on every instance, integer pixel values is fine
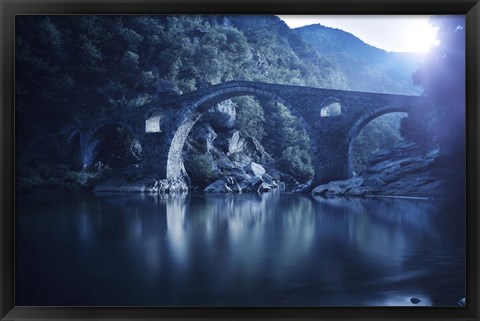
(275, 249)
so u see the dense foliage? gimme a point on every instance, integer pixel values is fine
(288, 142)
(250, 117)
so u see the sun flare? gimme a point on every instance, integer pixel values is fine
(420, 36)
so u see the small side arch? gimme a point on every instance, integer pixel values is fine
(102, 136)
(331, 107)
(154, 121)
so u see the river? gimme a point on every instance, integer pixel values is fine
(275, 249)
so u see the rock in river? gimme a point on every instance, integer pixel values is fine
(415, 300)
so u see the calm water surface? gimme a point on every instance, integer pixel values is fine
(277, 249)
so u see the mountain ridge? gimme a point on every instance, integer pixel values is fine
(364, 66)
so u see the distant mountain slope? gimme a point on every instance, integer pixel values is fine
(364, 67)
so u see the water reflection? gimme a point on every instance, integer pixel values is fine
(270, 249)
(384, 229)
(398, 299)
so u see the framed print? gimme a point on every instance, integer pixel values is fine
(220, 160)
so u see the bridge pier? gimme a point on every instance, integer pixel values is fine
(332, 161)
(163, 150)
(155, 148)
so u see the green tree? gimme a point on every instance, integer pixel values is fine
(381, 133)
(250, 117)
(287, 141)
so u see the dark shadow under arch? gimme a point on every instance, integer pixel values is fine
(105, 142)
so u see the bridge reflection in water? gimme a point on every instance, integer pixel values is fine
(272, 249)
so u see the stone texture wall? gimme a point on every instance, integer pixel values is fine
(330, 136)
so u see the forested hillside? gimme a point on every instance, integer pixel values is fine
(77, 68)
(364, 67)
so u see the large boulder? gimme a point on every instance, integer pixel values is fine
(222, 116)
(338, 188)
(203, 136)
(227, 184)
(379, 156)
(241, 183)
(236, 143)
(255, 169)
(255, 182)
(374, 182)
(225, 164)
(219, 186)
(254, 149)
(304, 188)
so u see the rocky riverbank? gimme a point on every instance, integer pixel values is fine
(255, 179)
(405, 170)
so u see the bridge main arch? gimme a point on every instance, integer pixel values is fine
(190, 114)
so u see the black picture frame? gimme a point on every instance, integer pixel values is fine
(10, 8)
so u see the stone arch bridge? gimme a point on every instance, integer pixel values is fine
(332, 119)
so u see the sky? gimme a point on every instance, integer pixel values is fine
(392, 33)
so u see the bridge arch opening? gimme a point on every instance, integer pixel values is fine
(378, 130)
(153, 123)
(331, 107)
(195, 112)
(111, 146)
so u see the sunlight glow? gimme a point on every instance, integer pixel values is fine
(398, 33)
(420, 36)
